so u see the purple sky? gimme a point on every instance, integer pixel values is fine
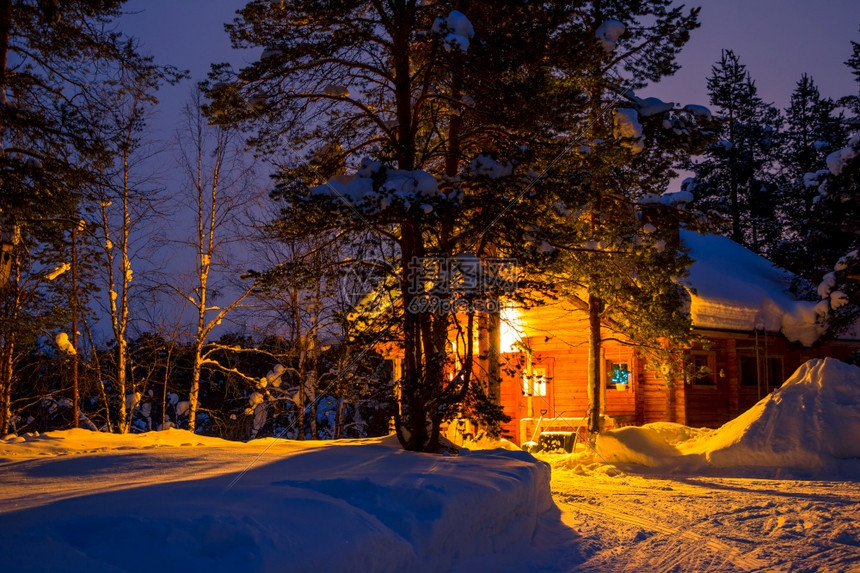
(778, 40)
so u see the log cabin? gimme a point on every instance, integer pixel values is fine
(753, 334)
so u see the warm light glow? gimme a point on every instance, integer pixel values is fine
(511, 329)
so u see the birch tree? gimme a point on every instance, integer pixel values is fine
(218, 186)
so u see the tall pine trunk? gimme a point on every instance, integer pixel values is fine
(594, 379)
(6, 370)
(7, 339)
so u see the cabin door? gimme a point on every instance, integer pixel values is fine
(527, 392)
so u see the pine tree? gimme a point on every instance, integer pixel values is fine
(408, 84)
(455, 103)
(734, 176)
(621, 255)
(852, 102)
(812, 131)
(836, 229)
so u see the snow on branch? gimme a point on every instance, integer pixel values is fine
(456, 29)
(608, 33)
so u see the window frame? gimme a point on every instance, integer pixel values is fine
(608, 369)
(535, 381)
(763, 365)
(711, 359)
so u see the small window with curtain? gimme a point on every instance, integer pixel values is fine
(535, 384)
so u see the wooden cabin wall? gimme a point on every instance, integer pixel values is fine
(557, 339)
(657, 401)
(712, 406)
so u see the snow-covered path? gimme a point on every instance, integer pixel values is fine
(646, 523)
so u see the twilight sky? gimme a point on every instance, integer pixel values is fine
(778, 40)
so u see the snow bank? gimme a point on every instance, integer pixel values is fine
(812, 420)
(360, 505)
(811, 423)
(732, 288)
(641, 446)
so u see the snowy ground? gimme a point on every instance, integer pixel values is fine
(689, 523)
(752, 496)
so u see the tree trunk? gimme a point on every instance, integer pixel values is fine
(164, 390)
(97, 372)
(6, 353)
(734, 206)
(76, 413)
(336, 423)
(594, 381)
(5, 33)
(300, 422)
(405, 152)
(7, 340)
(410, 434)
(312, 401)
(193, 394)
(494, 365)
(121, 365)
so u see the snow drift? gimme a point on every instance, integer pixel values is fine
(174, 499)
(811, 423)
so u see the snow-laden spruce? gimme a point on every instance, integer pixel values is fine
(375, 187)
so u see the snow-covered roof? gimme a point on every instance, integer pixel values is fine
(732, 288)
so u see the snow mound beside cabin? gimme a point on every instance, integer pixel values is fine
(811, 423)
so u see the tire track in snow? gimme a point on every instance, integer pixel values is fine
(723, 553)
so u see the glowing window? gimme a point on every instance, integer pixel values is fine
(535, 385)
(617, 373)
